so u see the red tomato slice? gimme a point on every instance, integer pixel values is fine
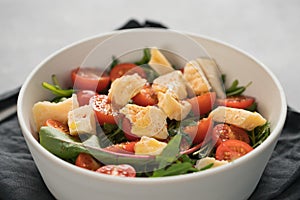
(237, 101)
(123, 170)
(126, 147)
(126, 68)
(223, 132)
(103, 109)
(203, 104)
(146, 97)
(199, 131)
(232, 149)
(90, 79)
(126, 127)
(84, 96)
(86, 161)
(58, 125)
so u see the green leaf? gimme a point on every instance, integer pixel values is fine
(170, 152)
(259, 134)
(175, 169)
(92, 141)
(57, 91)
(146, 57)
(205, 150)
(60, 144)
(150, 73)
(55, 81)
(111, 134)
(114, 62)
(252, 107)
(233, 86)
(223, 78)
(235, 90)
(68, 148)
(207, 166)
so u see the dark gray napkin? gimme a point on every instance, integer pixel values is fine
(281, 178)
(20, 179)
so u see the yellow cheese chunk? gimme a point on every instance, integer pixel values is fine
(146, 121)
(159, 63)
(213, 74)
(238, 117)
(42, 111)
(173, 83)
(195, 78)
(172, 107)
(82, 120)
(124, 88)
(208, 160)
(149, 146)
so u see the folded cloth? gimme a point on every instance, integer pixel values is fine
(20, 179)
(281, 178)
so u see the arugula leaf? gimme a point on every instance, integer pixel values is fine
(259, 134)
(207, 166)
(110, 134)
(60, 144)
(146, 58)
(252, 107)
(235, 89)
(68, 148)
(92, 141)
(175, 169)
(150, 73)
(58, 91)
(114, 62)
(223, 78)
(205, 150)
(61, 94)
(186, 158)
(173, 127)
(170, 152)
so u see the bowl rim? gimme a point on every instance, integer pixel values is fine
(144, 180)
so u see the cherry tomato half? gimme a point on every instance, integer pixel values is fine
(84, 96)
(223, 132)
(237, 101)
(123, 170)
(232, 149)
(126, 68)
(103, 109)
(126, 147)
(86, 161)
(203, 104)
(146, 97)
(58, 125)
(90, 79)
(199, 131)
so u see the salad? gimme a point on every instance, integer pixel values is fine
(149, 118)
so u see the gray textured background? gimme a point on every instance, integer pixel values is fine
(269, 30)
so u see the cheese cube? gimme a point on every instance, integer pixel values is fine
(173, 83)
(238, 117)
(42, 111)
(149, 146)
(159, 63)
(203, 162)
(124, 88)
(173, 108)
(82, 120)
(196, 78)
(146, 121)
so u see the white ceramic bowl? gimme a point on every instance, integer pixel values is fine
(233, 181)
